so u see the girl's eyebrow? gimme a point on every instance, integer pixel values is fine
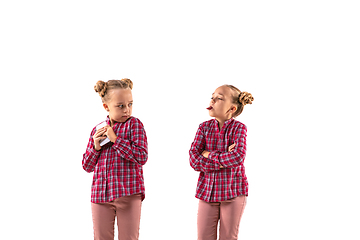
(123, 103)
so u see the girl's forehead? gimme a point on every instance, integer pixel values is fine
(223, 90)
(121, 94)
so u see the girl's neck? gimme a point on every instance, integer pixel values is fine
(112, 122)
(221, 122)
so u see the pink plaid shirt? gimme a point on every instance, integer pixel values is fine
(118, 166)
(217, 184)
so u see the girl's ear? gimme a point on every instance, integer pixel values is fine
(106, 106)
(233, 109)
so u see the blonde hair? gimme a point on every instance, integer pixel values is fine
(103, 88)
(240, 99)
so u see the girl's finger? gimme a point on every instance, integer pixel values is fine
(101, 130)
(99, 138)
(97, 134)
(231, 148)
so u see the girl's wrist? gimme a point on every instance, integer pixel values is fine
(113, 138)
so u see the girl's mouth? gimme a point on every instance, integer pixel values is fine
(209, 108)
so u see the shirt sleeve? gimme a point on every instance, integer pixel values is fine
(135, 149)
(197, 161)
(90, 157)
(236, 157)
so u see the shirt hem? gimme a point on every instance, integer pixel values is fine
(222, 200)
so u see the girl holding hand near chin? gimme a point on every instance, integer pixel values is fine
(218, 153)
(118, 183)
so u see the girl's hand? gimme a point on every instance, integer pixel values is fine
(110, 133)
(205, 153)
(98, 136)
(231, 147)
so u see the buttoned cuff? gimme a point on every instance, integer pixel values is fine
(117, 141)
(93, 151)
(119, 146)
(214, 158)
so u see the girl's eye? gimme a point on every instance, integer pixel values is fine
(130, 104)
(121, 106)
(216, 98)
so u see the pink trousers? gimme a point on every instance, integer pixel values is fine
(228, 212)
(127, 210)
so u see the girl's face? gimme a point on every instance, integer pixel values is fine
(221, 106)
(119, 105)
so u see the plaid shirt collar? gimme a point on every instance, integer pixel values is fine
(108, 120)
(227, 123)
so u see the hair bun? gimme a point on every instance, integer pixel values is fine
(101, 88)
(245, 98)
(128, 82)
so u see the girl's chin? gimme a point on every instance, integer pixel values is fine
(123, 119)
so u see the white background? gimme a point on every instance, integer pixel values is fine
(299, 59)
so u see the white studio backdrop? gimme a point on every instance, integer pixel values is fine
(299, 59)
